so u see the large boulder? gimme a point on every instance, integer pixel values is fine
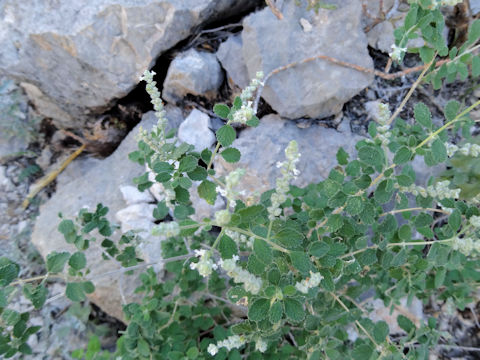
(79, 56)
(262, 147)
(318, 88)
(87, 182)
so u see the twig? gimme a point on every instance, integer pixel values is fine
(335, 61)
(410, 92)
(274, 9)
(47, 179)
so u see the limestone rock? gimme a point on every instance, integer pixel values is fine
(317, 88)
(192, 72)
(381, 37)
(263, 147)
(195, 130)
(132, 195)
(230, 55)
(87, 182)
(81, 56)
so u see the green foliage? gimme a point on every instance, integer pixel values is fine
(292, 267)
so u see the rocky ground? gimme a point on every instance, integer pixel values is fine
(207, 57)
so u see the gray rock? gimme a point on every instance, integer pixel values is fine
(16, 126)
(318, 146)
(318, 88)
(230, 56)
(195, 130)
(132, 195)
(192, 72)
(86, 183)
(475, 7)
(381, 37)
(81, 56)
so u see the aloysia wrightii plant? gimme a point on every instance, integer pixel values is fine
(285, 276)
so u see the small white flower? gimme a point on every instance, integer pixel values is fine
(205, 264)
(212, 349)
(261, 345)
(397, 52)
(308, 283)
(222, 217)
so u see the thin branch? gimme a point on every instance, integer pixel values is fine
(274, 9)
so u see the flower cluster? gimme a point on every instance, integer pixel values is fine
(474, 221)
(232, 342)
(222, 217)
(397, 52)
(240, 238)
(289, 172)
(168, 229)
(440, 190)
(246, 112)
(466, 245)
(205, 264)
(467, 149)
(155, 139)
(309, 282)
(231, 181)
(383, 131)
(155, 98)
(250, 282)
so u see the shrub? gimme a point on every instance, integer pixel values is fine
(283, 277)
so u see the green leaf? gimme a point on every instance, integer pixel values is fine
(161, 211)
(276, 312)
(440, 277)
(77, 261)
(253, 122)
(259, 309)
(193, 353)
(334, 222)
(474, 32)
(8, 271)
(402, 155)
(207, 190)
(227, 247)
(221, 110)
(75, 291)
(367, 257)
(188, 163)
(56, 261)
(250, 213)
(423, 115)
(455, 220)
(451, 109)
(342, 156)
(37, 296)
(198, 174)
(231, 155)
(476, 66)
(371, 155)
(289, 237)
(162, 166)
(354, 205)
(439, 151)
(226, 135)
(384, 191)
(380, 332)
(11, 317)
(318, 249)
(362, 352)
(262, 250)
(301, 261)
(255, 266)
(405, 323)
(405, 233)
(294, 310)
